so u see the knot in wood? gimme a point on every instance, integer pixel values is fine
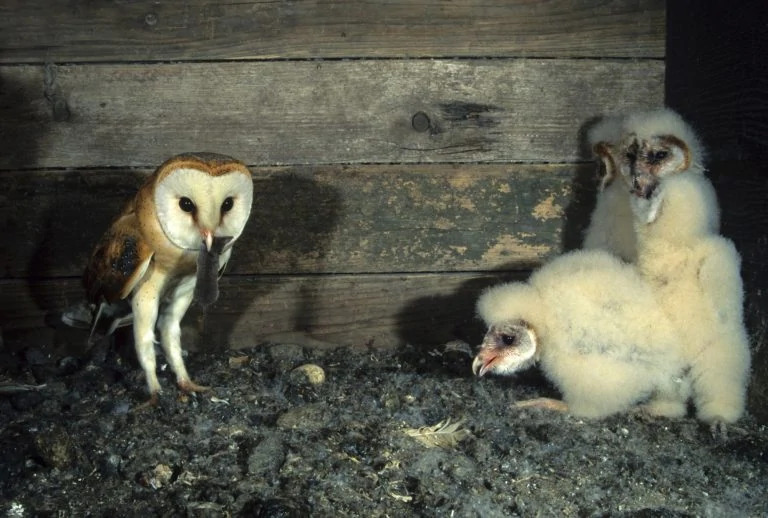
(420, 122)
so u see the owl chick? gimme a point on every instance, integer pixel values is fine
(611, 223)
(696, 275)
(596, 329)
(149, 255)
(656, 144)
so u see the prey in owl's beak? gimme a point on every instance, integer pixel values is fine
(209, 268)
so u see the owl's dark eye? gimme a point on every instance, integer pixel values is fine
(187, 205)
(657, 156)
(508, 339)
(228, 204)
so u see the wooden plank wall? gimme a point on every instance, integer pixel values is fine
(405, 154)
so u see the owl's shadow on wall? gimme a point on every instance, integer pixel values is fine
(421, 323)
(292, 221)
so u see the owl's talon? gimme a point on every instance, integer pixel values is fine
(718, 429)
(152, 402)
(189, 386)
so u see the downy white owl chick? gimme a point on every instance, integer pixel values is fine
(611, 224)
(149, 254)
(595, 328)
(695, 274)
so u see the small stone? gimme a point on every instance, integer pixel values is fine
(308, 373)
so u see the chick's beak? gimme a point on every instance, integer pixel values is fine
(643, 185)
(484, 361)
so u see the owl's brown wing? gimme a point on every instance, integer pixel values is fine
(119, 260)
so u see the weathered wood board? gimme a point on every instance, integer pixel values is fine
(404, 153)
(314, 112)
(349, 310)
(331, 219)
(41, 31)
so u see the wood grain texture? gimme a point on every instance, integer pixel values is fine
(40, 31)
(329, 219)
(315, 112)
(349, 310)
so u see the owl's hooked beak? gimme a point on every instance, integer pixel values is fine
(207, 236)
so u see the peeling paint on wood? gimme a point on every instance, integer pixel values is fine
(317, 220)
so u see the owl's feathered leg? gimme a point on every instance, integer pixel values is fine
(170, 333)
(145, 302)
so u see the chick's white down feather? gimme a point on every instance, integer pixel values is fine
(696, 276)
(611, 222)
(601, 337)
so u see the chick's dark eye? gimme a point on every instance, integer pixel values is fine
(508, 339)
(187, 205)
(658, 156)
(228, 204)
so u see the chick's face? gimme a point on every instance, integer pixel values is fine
(645, 162)
(507, 348)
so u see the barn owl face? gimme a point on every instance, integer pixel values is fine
(507, 348)
(644, 162)
(194, 206)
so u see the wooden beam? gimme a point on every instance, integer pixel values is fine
(349, 310)
(324, 219)
(37, 31)
(314, 112)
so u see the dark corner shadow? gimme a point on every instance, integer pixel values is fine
(583, 192)
(292, 223)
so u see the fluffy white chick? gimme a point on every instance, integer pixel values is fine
(696, 275)
(611, 223)
(596, 329)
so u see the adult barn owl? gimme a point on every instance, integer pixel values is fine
(597, 331)
(149, 255)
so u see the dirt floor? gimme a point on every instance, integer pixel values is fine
(275, 439)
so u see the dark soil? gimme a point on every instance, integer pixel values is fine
(267, 442)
